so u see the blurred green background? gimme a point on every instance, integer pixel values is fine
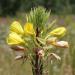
(61, 10)
(11, 7)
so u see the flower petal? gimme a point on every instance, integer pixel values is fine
(28, 29)
(60, 32)
(14, 38)
(16, 27)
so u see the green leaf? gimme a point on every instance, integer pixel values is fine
(42, 41)
(55, 56)
(48, 47)
(51, 24)
(39, 17)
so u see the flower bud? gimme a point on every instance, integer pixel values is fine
(28, 29)
(16, 27)
(62, 44)
(58, 32)
(14, 39)
(51, 40)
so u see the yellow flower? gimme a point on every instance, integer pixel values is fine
(60, 32)
(16, 27)
(14, 38)
(28, 29)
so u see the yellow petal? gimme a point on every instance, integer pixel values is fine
(16, 27)
(28, 29)
(14, 38)
(60, 32)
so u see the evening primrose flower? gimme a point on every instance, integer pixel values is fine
(28, 29)
(14, 39)
(59, 32)
(16, 27)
